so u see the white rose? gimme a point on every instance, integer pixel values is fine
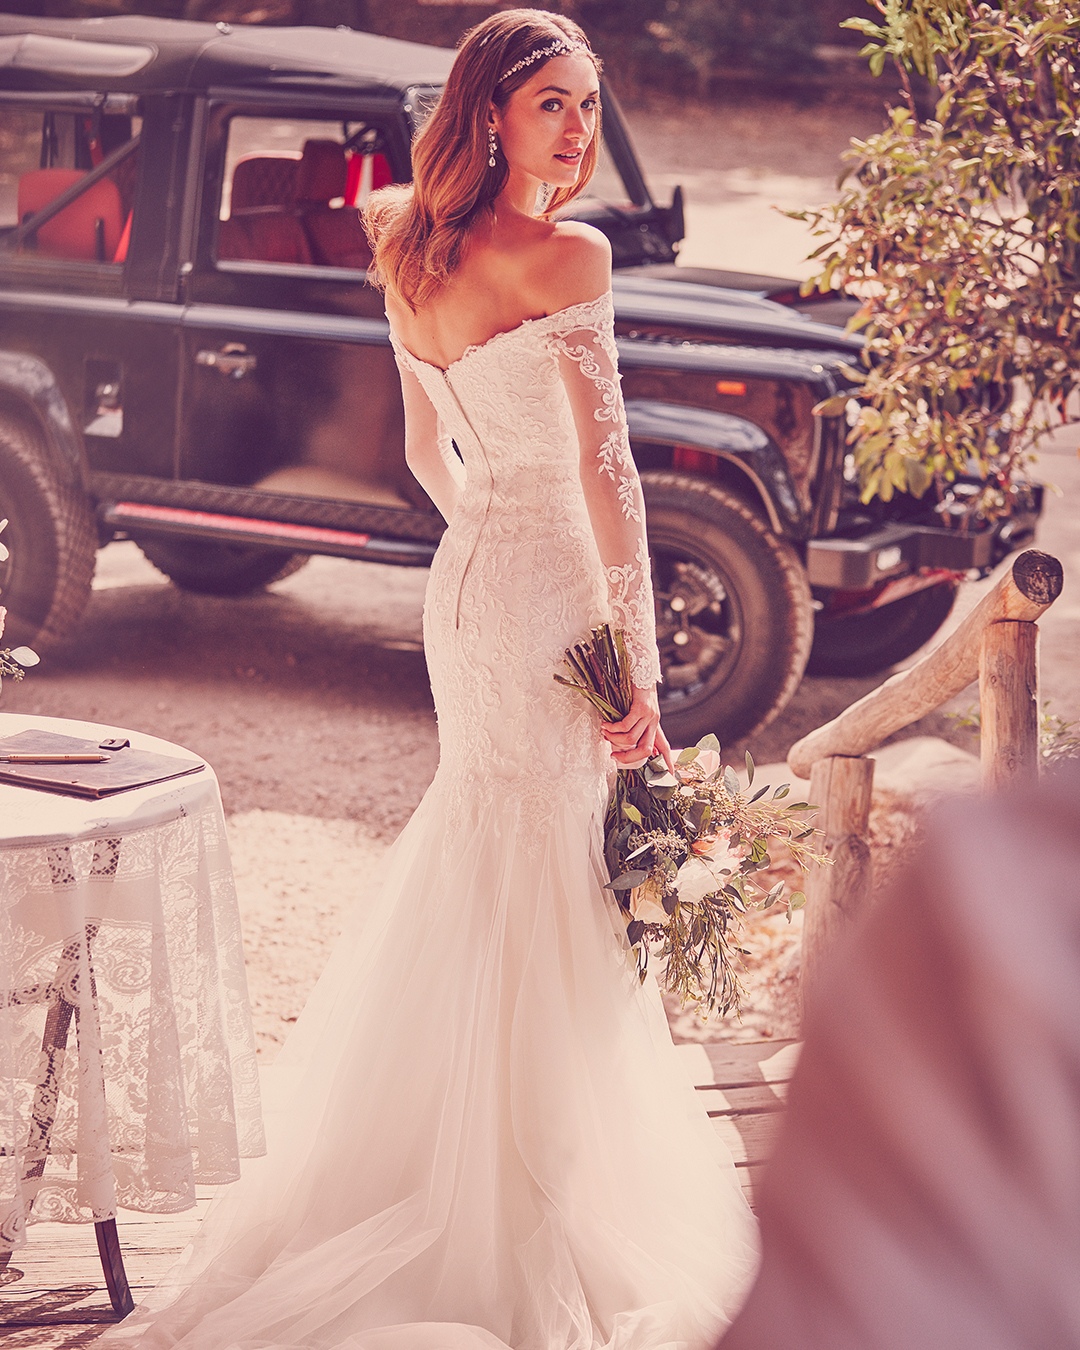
(695, 880)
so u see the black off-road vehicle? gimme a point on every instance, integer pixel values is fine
(190, 356)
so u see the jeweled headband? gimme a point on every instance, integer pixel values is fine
(559, 48)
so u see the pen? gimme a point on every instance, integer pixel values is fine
(53, 759)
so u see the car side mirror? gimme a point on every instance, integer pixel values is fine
(676, 222)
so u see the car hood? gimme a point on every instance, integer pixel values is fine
(727, 314)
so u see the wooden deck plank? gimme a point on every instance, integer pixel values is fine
(719, 1099)
(750, 1139)
(60, 1303)
(749, 1062)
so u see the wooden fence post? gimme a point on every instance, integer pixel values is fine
(1023, 594)
(840, 786)
(1009, 704)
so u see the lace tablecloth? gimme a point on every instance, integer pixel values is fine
(124, 1017)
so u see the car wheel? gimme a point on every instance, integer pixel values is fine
(51, 542)
(867, 643)
(734, 620)
(212, 568)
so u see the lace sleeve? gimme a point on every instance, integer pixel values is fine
(588, 361)
(429, 449)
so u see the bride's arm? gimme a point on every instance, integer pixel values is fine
(429, 450)
(588, 360)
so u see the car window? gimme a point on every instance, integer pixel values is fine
(292, 189)
(88, 160)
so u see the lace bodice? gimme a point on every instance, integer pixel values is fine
(532, 406)
(545, 539)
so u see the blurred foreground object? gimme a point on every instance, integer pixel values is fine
(926, 1189)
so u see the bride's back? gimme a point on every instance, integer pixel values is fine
(517, 268)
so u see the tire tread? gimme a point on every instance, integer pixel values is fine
(74, 533)
(680, 490)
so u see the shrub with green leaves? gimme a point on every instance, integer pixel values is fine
(961, 234)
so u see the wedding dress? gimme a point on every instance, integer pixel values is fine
(484, 1138)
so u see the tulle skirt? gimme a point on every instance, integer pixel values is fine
(480, 1135)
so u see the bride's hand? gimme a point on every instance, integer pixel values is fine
(638, 736)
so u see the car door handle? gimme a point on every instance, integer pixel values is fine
(234, 359)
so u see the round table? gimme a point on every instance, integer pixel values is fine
(119, 924)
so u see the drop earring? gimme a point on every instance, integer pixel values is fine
(491, 146)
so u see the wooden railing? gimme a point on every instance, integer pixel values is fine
(998, 645)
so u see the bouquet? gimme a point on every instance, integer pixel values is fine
(682, 848)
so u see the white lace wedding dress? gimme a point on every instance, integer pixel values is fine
(485, 1139)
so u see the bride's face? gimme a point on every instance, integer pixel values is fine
(548, 123)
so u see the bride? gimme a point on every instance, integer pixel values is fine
(483, 1139)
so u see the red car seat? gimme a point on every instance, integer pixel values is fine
(87, 229)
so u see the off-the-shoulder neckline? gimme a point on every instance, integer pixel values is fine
(505, 333)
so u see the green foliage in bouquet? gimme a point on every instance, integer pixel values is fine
(682, 848)
(961, 234)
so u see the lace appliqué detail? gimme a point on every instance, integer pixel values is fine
(589, 362)
(627, 596)
(615, 461)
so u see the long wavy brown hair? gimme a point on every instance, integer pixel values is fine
(419, 231)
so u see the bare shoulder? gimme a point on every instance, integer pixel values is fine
(573, 265)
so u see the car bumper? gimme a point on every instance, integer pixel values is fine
(898, 549)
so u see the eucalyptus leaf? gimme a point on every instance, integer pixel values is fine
(670, 902)
(631, 812)
(709, 742)
(699, 816)
(749, 769)
(759, 793)
(781, 792)
(626, 881)
(731, 781)
(688, 756)
(634, 930)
